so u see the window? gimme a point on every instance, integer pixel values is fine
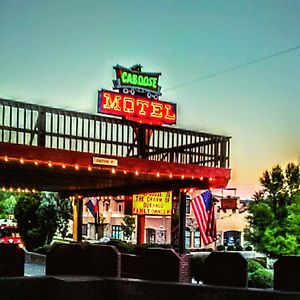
(120, 208)
(188, 204)
(84, 229)
(116, 232)
(187, 238)
(106, 206)
(197, 239)
(232, 238)
(150, 235)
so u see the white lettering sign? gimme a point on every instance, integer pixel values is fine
(105, 161)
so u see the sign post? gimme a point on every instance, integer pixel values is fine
(182, 222)
(141, 229)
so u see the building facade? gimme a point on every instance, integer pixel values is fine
(231, 223)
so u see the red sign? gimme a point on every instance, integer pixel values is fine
(136, 108)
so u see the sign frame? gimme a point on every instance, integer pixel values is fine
(137, 108)
(153, 204)
(104, 161)
(134, 82)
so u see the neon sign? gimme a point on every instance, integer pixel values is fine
(136, 108)
(152, 204)
(134, 81)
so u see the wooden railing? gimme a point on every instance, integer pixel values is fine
(36, 125)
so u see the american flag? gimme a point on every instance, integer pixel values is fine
(205, 216)
(92, 205)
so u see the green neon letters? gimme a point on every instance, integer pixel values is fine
(138, 80)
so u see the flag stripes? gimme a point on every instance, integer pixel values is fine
(92, 205)
(204, 212)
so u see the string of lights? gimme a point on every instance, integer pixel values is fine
(90, 168)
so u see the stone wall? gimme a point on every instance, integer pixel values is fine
(78, 288)
(165, 265)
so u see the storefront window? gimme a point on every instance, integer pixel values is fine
(84, 229)
(187, 238)
(188, 204)
(197, 239)
(232, 238)
(116, 232)
(150, 235)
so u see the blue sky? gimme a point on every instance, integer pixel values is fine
(60, 53)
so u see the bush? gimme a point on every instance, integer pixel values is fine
(248, 248)
(258, 275)
(122, 246)
(197, 267)
(262, 261)
(139, 249)
(238, 248)
(253, 265)
(206, 250)
(220, 247)
(230, 248)
(261, 278)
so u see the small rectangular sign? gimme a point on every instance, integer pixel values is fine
(126, 78)
(105, 161)
(152, 204)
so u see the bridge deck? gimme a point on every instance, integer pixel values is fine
(48, 148)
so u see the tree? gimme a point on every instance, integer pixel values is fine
(48, 216)
(25, 214)
(39, 215)
(102, 225)
(274, 220)
(65, 213)
(128, 226)
(7, 205)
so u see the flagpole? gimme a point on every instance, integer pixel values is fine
(97, 221)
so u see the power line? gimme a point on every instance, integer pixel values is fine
(252, 62)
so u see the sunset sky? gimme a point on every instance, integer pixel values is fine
(61, 52)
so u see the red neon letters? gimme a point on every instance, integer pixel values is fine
(136, 108)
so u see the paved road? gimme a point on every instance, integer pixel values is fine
(34, 269)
